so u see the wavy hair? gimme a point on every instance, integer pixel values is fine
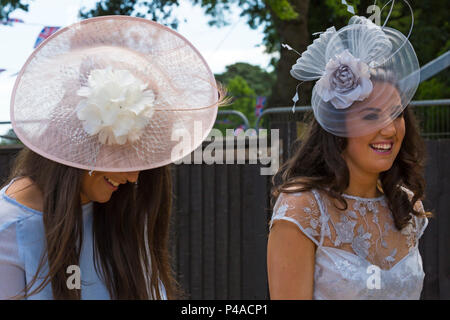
(130, 231)
(318, 164)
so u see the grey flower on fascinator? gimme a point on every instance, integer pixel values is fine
(346, 80)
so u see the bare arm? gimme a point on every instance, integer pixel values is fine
(290, 262)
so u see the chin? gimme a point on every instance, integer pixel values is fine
(103, 199)
(383, 168)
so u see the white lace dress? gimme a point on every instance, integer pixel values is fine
(360, 254)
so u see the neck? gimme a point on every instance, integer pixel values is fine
(362, 184)
(84, 199)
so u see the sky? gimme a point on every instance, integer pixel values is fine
(219, 46)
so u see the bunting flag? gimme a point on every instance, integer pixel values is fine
(260, 103)
(11, 20)
(45, 33)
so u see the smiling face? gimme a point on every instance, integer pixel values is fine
(100, 186)
(376, 152)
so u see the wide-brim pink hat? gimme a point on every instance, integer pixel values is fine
(116, 94)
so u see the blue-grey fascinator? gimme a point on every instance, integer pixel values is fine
(361, 68)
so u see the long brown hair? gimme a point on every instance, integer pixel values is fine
(318, 164)
(130, 231)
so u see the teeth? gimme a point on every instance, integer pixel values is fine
(115, 184)
(381, 146)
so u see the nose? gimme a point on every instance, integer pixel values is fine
(132, 176)
(389, 130)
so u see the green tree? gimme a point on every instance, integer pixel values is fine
(8, 6)
(257, 78)
(243, 100)
(293, 21)
(244, 97)
(157, 10)
(282, 20)
(430, 35)
(9, 138)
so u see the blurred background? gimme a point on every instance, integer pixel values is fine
(241, 42)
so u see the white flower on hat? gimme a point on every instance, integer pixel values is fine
(116, 106)
(346, 80)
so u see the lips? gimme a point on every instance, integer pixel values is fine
(114, 185)
(382, 147)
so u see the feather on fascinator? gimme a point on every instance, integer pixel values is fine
(359, 68)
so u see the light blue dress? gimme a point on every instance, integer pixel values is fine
(22, 245)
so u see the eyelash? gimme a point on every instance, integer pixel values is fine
(374, 116)
(371, 116)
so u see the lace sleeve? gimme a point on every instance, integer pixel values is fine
(302, 210)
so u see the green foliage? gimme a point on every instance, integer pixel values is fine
(430, 36)
(8, 6)
(259, 13)
(244, 83)
(258, 79)
(282, 9)
(433, 88)
(9, 138)
(244, 97)
(156, 10)
(339, 10)
(244, 100)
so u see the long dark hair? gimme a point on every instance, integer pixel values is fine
(130, 231)
(318, 164)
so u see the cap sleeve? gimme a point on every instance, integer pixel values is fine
(302, 210)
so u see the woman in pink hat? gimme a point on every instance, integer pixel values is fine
(347, 216)
(102, 107)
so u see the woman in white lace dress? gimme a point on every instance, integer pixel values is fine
(347, 214)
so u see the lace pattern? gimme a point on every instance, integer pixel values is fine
(352, 240)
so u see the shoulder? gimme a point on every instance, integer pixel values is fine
(303, 201)
(301, 209)
(14, 208)
(25, 192)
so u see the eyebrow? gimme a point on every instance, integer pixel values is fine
(379, 110)
(371, 109)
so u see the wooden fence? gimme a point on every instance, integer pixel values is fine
(220, 227)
